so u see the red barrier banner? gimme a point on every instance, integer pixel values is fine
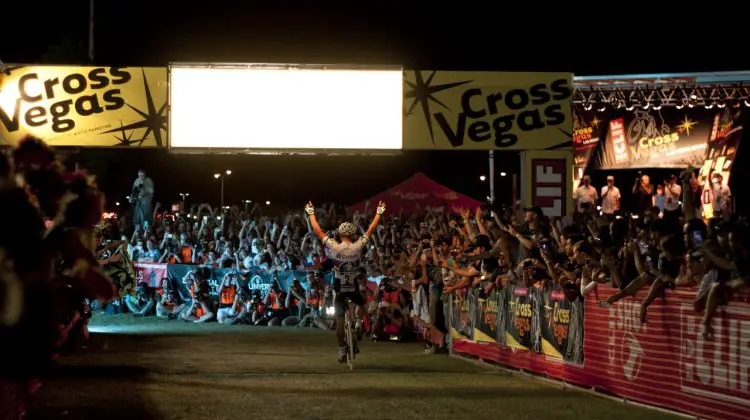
(151, 273)
(664, 363)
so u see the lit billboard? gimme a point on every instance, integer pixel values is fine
(298, 108)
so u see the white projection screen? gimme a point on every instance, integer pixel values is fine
(285, 108)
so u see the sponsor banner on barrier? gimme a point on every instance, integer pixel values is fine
(449, 110)
(84, 106)
(518, 333)
(562, 326)
(487, 318)
(461, 312)
(666, 362)
(665, 138)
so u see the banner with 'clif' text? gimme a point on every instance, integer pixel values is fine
(449, 110)
(84, 106)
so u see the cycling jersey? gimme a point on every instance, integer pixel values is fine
(346, 256)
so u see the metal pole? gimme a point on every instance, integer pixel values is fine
(222, 193)
(492, 176)
(514, 196)
(91, 31)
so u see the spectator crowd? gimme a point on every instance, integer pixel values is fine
(658, 241)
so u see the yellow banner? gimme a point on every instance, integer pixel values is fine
(85, 106)
(447, 110)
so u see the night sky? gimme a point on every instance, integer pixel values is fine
(429, 35)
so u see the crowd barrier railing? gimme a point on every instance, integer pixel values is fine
(664, 362)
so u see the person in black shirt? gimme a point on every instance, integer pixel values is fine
(643, 193)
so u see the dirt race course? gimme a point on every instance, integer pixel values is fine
(139, 369)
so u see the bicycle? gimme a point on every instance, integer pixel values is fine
(350, 335)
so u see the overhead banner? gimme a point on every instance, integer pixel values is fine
(588, 127)
(449, 110)
(665, 138)
(298, 108)
(84, 106)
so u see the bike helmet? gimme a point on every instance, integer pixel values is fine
(347, 229)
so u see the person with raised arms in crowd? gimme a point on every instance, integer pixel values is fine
(346, 254)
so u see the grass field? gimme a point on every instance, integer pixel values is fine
(138, 369)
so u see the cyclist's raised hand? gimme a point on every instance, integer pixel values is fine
(309, 208)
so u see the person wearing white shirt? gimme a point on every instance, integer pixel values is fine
(721, 198)
(673, 198)
(610, 197)
(585, 196)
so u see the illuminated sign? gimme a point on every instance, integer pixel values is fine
(297, 108)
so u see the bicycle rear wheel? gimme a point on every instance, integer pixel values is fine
(349, 331)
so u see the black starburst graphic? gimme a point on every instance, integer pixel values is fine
(126, 138)
(422, 92)
(153, 121)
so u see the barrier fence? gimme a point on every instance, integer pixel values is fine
(664, 362)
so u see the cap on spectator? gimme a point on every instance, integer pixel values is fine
(610, 178)
(535, 209)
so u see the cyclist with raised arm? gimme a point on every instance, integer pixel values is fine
(346, 255)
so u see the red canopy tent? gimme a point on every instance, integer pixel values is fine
(419, 190)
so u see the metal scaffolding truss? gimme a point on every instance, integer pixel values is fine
(654, 91)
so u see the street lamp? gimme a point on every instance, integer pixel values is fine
(268, 203)
(217, 176)
(117, 203)
(184, 197)
(482, 178)
(503, 174)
